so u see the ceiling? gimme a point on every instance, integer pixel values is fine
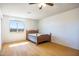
(25, 10)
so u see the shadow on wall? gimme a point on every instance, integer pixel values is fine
(57, 39)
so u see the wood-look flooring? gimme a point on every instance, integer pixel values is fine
(31, 49)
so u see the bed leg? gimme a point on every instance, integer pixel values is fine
(37, 43)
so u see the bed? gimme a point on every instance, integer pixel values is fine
(35, 37)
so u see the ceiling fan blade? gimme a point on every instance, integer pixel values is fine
(32, 3)
(50, 4)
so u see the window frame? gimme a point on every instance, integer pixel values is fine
(17, 29)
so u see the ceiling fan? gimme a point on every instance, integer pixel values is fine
(41, 5)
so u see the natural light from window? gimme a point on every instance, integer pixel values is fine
(18, 44)
(16, 26)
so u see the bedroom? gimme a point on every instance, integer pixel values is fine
(60, 21)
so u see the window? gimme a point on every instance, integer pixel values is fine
(20, 27)
(16, 26)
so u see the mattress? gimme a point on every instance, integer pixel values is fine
(35, 34)
(32, 38)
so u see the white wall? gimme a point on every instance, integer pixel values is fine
(64, 28)
(0, 33)
(0, 28)
(8, 36)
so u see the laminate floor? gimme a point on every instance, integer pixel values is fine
(27, 48)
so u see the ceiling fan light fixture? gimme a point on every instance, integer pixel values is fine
(42, 4)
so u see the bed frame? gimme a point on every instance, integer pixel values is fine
(39, 39)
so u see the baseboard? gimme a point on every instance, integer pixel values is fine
(13, 42)
(65, 46)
